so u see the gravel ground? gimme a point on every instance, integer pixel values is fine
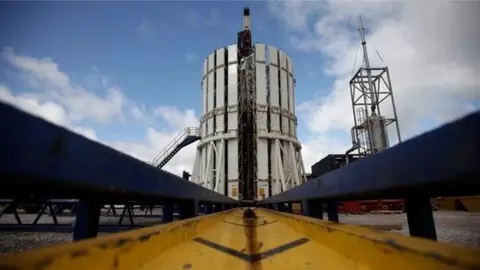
(21, 241)
(460, 228)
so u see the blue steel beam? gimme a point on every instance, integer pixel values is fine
(442, 162)
(38, 157)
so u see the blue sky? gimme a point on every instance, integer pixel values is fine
(152, 50)
(128, 74)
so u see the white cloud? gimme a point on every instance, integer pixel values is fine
(152, 144)
(68, 105)
(155, 141)
(430, 47)
(78, 102)
(137, 113)
(176, 118)
(87, 132)
(48, 110)
(315, 149)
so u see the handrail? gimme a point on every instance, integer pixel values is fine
(412, 165)
(189, 131)
(442, 162)
(96, 171)
(62, 164)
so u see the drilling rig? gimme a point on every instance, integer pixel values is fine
(248, 148)
(369, 87)
(247, 142)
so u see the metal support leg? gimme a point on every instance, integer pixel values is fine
(130, 214)
(52, 212)
(289, 208)
(86, 223)
(124, 212)
(167, 213)
(312, 208)
(208, 208)
(420, 217)
(189, 209)
(12, 207)
(332, 211)
(74, 209)
(40, 214)
(112, 207)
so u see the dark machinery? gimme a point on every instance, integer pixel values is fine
(244, 37)
(247, 143)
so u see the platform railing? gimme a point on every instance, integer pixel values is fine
(40, 161)
(166, 154)
(441, 162)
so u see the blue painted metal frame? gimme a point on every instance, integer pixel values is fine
(38, 157)
(46, 161)
(12, 205)
(442, 162)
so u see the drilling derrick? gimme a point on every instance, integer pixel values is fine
(369, 88)
(248, 145)
(247, 142)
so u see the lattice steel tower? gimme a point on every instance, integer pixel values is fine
(247, 128)
(369, 88)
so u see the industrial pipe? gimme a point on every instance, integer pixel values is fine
(354, 147)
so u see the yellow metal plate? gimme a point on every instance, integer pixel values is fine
(228, 241)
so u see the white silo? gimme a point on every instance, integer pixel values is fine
(279, 164)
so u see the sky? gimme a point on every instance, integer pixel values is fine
(127, 74)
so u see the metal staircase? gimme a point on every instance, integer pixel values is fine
(187, 136)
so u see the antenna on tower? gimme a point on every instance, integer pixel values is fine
(366, 63)
(247, 128)
(369, 88)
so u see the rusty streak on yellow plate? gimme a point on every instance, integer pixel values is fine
(226, 240)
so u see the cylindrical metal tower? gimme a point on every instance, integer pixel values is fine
(278, 160)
